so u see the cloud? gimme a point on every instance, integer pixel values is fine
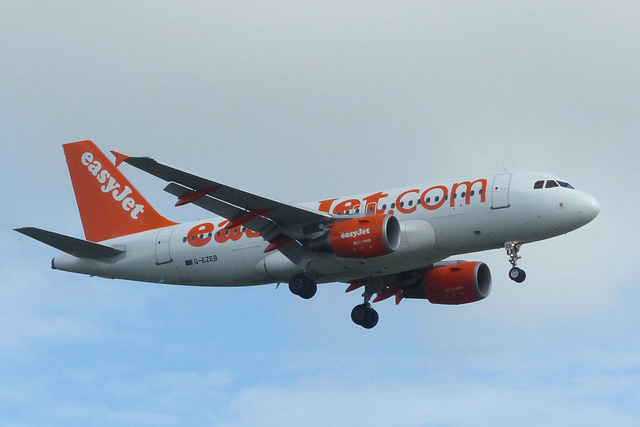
(439, 401)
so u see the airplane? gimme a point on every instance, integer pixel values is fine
(391, 243)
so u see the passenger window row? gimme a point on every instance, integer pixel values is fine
(418, 202)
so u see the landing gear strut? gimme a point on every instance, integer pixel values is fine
(516, 274)
(303, 286)
(363, 314)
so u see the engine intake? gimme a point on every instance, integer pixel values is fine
(365, 237)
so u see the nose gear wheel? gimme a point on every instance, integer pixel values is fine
(516, 274)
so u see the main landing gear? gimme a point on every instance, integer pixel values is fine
(303, 286)
(363, 314)
(516, 274)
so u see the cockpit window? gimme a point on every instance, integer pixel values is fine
(552, 184)
(565, 185)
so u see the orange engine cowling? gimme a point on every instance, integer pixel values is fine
(459, 283)
(365, 237)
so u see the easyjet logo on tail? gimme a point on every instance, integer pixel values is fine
(111, 185)
(109, 205)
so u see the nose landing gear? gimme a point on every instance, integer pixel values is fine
(516, 274)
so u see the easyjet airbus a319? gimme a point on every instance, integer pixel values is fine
(390, 243)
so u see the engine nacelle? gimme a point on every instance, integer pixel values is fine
(365, 237)
(459, 283)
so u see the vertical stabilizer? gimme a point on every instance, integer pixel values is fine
(109, 205)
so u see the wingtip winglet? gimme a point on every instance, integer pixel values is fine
(119, 157)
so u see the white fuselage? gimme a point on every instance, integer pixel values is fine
(437, 221)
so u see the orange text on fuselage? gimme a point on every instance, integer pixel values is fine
(203, 233)
(408, 201)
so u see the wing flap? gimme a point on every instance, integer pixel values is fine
(256, 223)
(77, 247)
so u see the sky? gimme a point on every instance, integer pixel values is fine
(301, 101)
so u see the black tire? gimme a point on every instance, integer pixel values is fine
(303, 286)
(296, 284)
(371, 319)
(309, 290)
(359, 314)
(517, 275)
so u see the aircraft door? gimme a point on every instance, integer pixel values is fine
(163, 255)
(500, 191)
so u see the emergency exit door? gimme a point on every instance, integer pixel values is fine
(500, 191)
(163, 254)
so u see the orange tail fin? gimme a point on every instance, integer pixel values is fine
(109, 205)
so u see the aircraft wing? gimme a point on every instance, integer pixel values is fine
(271, 218)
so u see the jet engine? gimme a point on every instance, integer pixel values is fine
(455, 283)
(366, 237)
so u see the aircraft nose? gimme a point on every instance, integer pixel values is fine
(590, 208)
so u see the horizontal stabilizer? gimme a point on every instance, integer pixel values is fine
(77, 247)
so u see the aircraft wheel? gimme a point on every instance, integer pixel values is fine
(517, 275)
(303, 286)
(371, 319)
(296, 284)
(359, 314)
(364, 316)
(309, 290)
